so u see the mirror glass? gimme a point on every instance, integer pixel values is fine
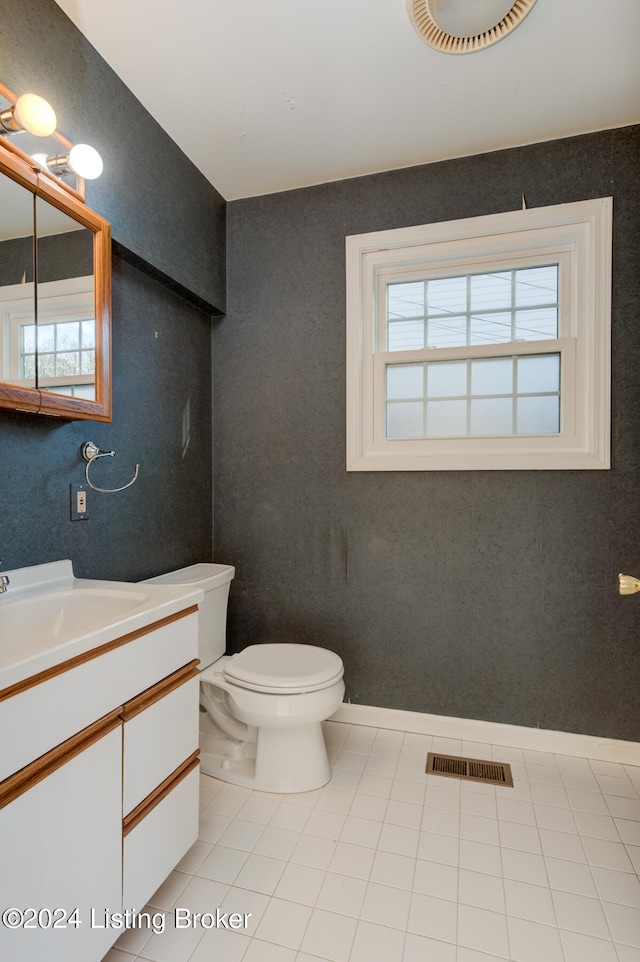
(17, 294)
(65, 333)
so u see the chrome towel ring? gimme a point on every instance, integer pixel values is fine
(91, 452)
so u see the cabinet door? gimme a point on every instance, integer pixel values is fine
(61, 849)
(158, 739)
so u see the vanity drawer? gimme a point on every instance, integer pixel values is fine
(159, 833)
(82, 690)
(161, 730)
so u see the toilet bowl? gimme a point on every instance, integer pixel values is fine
(261, 710)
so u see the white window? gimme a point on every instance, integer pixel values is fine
(482, 343)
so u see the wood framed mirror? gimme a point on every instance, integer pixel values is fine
(55, 296)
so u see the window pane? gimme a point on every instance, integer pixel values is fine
(68, 336)
(88, 334)
(492, 376)
(491, 328)
(539, 415)
(88, 362)
(490, 291)
(446, 419)
(404, 419)
(491, 416)
(447, 379)
(28, 338)
(447, 295)
(46, 365)
(405, 381)
(29, 366)
(537, 325)
(538, 373)
(46, 337)
(406, 300)
(447, 332)
(67, 363)
(405, 335)
(537, 285)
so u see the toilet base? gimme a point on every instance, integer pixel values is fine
(283, 760)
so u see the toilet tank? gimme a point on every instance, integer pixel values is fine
(215, 581)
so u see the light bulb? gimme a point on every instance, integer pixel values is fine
(628, 585)
(34, 114)
(85, 161)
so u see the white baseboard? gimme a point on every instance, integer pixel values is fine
(494, 733)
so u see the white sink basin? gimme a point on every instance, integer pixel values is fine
(47, 616)
(35, 622)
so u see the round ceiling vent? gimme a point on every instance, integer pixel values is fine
(464, 26)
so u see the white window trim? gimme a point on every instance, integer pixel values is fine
(578, 235)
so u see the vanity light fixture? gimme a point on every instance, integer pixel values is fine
(83, 160)
(465, 26)
(628, 585)
(31, 113)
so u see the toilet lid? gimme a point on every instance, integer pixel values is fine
(284, 668)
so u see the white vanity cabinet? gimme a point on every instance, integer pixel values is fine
(97, 821)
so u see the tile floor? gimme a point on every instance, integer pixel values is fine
(387, 864)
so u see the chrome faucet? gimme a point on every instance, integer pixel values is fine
(4, 582)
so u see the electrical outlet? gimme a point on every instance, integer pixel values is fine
(79, 506)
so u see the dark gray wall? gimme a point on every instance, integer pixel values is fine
(170, 222)
(164, 215)
(487, 595)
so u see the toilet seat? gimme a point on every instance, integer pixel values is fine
(284, 668)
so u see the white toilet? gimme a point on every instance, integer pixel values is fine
(261, 711)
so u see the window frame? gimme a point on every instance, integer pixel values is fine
(577, 236)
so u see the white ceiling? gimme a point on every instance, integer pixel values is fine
(268, 96)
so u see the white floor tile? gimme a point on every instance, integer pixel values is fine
(221, 944)
(276, 842)
(329, 936)
(433, 917)
(259, 951)
(577, 913)
(527, 901)
(260, 874)
(483, 931)
(587, 802)
(343, 894)
(524, 867)
(222, 864)
(621, 887)
(392, 869)
(438, 848)
(533, 942)
(373, 941)
(386, 905)
(570, 877)
(437, 879)
(314, 851)
(417, 948)
(478, 857)
(482, 891)
(284, 923)
(300, 883)
(369, 806)
(396, 838)
(361, 831)
(353, 860)
(584, 948)
(624, 922)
